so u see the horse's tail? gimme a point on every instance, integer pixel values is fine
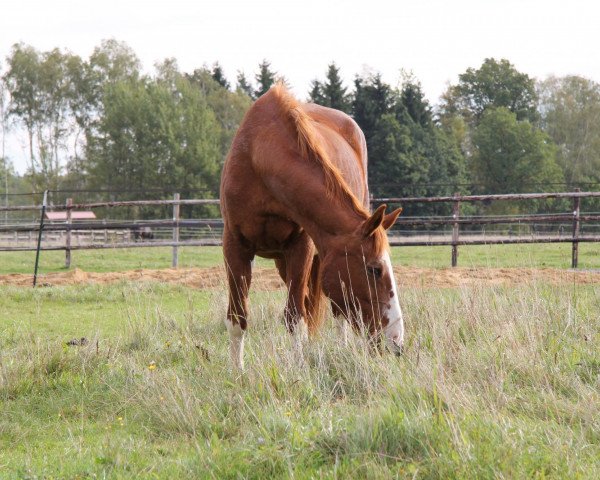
(315, 304)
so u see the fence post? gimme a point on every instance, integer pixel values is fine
(68, 234)
(39, 240)
(455, 215)
(175, 262)
(576, 226)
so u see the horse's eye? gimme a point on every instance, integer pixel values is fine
(375, 271)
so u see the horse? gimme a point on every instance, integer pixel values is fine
(142, 233)
(294, 189)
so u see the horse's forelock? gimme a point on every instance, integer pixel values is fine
(380, 241)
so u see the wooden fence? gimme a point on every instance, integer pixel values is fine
(575, 217)
(120, 229)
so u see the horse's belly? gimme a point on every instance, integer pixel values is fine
(270, 235)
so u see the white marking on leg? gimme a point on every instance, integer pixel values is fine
(300, 338)
(342, 328)
(236, 343)
(301, 331)
(394, 330)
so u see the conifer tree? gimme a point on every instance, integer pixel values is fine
(243, 85)
(219, 76)
(316, 93)
(332, 92)
(264, 78)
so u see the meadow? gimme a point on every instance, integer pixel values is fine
(497, 381)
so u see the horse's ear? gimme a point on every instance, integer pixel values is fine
(374, 221)
(391, 218)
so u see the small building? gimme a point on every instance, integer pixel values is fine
(62, 216)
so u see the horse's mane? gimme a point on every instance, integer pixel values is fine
(311, 148)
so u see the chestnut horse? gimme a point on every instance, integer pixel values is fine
(294, 189)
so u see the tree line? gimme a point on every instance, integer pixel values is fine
(102, 124)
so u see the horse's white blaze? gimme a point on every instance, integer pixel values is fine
(236, 343)
(394, 330)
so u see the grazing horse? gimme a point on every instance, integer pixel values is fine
(142, 233)
(294, 189)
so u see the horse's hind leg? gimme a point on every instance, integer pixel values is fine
(298, 261)
(281, 268)
(239, 275)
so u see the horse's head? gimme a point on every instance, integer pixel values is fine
(358, 279)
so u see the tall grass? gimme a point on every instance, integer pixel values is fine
(496, 382)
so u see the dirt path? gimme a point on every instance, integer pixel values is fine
(267, 279)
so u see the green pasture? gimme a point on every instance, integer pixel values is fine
(109, 260)
(496, 382)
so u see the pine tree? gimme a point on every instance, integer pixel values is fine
(407, 150)
(331, 93)
(219, 76)
(243, 85)
(334, 91)
(372, 99)
(416, 105)
(316, 93)
(264, 78)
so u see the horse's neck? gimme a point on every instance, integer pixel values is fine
(326, 223)
(300, 188)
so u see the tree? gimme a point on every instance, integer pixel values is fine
(228, 107)
(570, 115)
(151, 135)
(408, 153)
(3, 129)
(113, 62)
(21, 80)
(331, 93)
(494, 84)
(42, 99)
(414, 101)
(167, 72)
(315, 95)
(11, 183)
(219, 77)
(78, 96)
(372, 99)
(512, 156)
(243, 85)
(56, 123)
(396, 160)
(110, 63)
(265, 78)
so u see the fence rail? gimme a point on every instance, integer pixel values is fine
(487, 198)
(570, 225)
(128, 203)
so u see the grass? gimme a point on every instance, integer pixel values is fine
(496, 382)
(93, 310)
(540, 255)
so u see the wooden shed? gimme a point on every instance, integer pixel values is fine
(62, 216)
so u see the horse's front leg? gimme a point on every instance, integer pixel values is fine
(238, 263)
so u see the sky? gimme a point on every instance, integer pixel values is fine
(436, 40)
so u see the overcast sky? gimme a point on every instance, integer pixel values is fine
(435, 39)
